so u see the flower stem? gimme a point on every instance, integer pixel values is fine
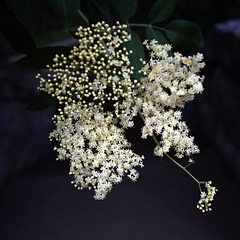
(80, 13)
(189, 164)
(145, 25)
(183, 168)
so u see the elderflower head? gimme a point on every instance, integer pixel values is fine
(167, 84)
(98, 70)
(98, 101)
(95, 77)
(171, 81)
(204, 204)
(98, 151)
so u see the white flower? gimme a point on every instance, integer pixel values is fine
(167, 84)
(97, 70)
(204, 204)
(102, 156)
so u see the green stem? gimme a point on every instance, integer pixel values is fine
(199, 186)
(178, 164)
(80, 13)
(141, 116)
(189, 164)
(145, 25)
(184, 169)
(105, 46)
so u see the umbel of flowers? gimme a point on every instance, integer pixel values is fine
(99, 99)
(98, 151)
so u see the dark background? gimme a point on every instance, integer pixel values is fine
(37, 200)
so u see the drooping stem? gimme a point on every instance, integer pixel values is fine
(178, 164)
(189, 164)
(80, 13)
(183, 168)
(145, 25)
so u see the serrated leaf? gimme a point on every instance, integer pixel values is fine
(28, 12)
(184, 34)
(155, 34)
(42, 101)
(42, 57)
(66, 9)
(161, 10)
(126, 8)
(136, 46)
(14, 32)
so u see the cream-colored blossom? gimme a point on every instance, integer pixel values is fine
(98, 70)
(98, 151)
(98, 101)
(204, 204)
(168, 83)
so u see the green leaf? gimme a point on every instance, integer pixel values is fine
(184, 34)
(42, 57)
(28, 12)
(14, 32)
(92, 11)
(136, 46)
(66, 9)
(126, 8)
(103, 6)
(155, 34)
(161, 10)
(51, 37)
(42, 101)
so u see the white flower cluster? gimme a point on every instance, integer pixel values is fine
(92, 79)
(206, 197)
(167, 84)
(171, 81)
(98, 71)
(98, 151)
(98, 100)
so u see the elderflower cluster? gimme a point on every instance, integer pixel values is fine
(204, 204)
(98, 151)
(98, 101)
(96, 96)
(98, 70)
(171, 81)
(168, 83)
